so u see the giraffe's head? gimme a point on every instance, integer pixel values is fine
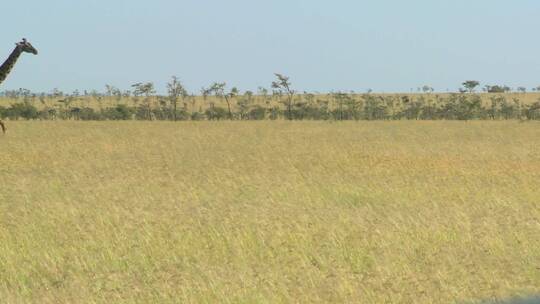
(26, 47)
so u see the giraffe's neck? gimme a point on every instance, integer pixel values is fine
(6, 67)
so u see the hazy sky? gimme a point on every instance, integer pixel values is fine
(386, 45)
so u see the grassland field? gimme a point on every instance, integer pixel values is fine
(269, 212)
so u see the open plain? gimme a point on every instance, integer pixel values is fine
(269, 212)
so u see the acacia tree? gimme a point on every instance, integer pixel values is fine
(117, 96)
(497, 89)
(218, 88)
(427, 89)
(283, 86)
(109, 89)
(341, 99)
(146, 89)
(175, 89)
(470, 85)
(263, 92)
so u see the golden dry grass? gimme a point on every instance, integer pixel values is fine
(269, 212)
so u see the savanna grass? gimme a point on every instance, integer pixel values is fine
(269, 212)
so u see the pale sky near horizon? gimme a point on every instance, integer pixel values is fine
(385, 45)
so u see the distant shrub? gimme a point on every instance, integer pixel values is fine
(162, 113)
(88, 114)
(20, 110)
(3, 112)
(197, 116)
(216, 113)
(532, 111)
(142, 112)
(120, 112)
(47, 114)
(182, 115)
(257, 113)
(275, 113)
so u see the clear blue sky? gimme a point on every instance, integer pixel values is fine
(386, 45)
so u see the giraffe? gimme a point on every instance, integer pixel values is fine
(20, 47)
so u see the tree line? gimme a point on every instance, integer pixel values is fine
(218, 102)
